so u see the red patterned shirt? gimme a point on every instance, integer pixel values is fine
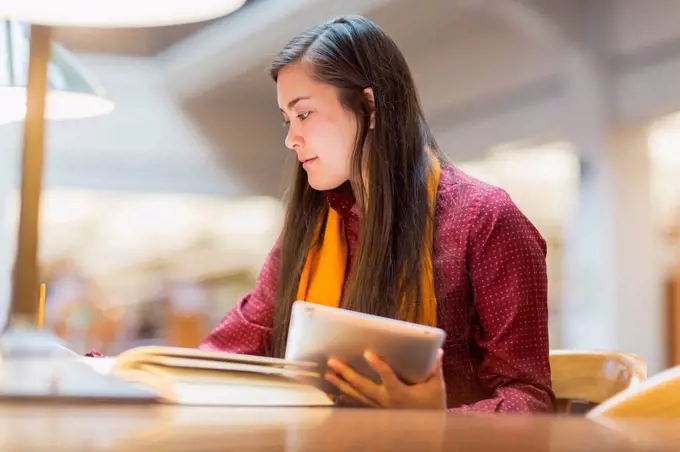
(491, 287)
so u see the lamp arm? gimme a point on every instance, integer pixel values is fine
(24, 302)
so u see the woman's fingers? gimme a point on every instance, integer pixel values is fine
(348, 389)
(387, 376)
(361, 384)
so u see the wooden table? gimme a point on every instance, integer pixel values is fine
(31, 426)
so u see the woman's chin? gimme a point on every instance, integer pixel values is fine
(322, 184)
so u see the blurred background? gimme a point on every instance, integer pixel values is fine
(157, 217)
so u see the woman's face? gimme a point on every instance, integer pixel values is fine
(320, 130)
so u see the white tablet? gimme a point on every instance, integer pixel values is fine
(317, 333)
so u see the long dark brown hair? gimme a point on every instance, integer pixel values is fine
(389, 175)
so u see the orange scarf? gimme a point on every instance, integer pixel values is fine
(323, 275)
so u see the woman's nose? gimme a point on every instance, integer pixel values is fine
(293, 140)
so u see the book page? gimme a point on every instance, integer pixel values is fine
(100, 365)
(194, 386)
(142, 353)
(172, 362)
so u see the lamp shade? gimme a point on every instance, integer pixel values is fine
(116, 13)
(72, 92)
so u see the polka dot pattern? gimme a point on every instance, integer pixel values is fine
(491, 285)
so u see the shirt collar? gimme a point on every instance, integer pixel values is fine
(342, 200)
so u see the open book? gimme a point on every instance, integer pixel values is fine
(197, 377)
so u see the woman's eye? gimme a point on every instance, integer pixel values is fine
(302, 116)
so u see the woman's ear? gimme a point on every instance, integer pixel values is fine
(368, 92)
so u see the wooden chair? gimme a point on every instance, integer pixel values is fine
(591, 377)
(657, 397)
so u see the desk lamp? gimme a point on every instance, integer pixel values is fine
(70, 91)
(33, 362)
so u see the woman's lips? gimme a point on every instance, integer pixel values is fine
(308, 162)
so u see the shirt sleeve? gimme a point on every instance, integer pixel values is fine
(246, 329)
(507, 265)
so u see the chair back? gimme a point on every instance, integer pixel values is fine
(591, 377)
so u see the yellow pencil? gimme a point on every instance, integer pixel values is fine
(41, 312)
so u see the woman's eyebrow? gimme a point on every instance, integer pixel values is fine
(292, 103)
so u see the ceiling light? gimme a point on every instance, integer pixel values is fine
(118, 13)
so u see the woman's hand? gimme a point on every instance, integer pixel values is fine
(392, 392)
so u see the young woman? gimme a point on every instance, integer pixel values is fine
(377, 221)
